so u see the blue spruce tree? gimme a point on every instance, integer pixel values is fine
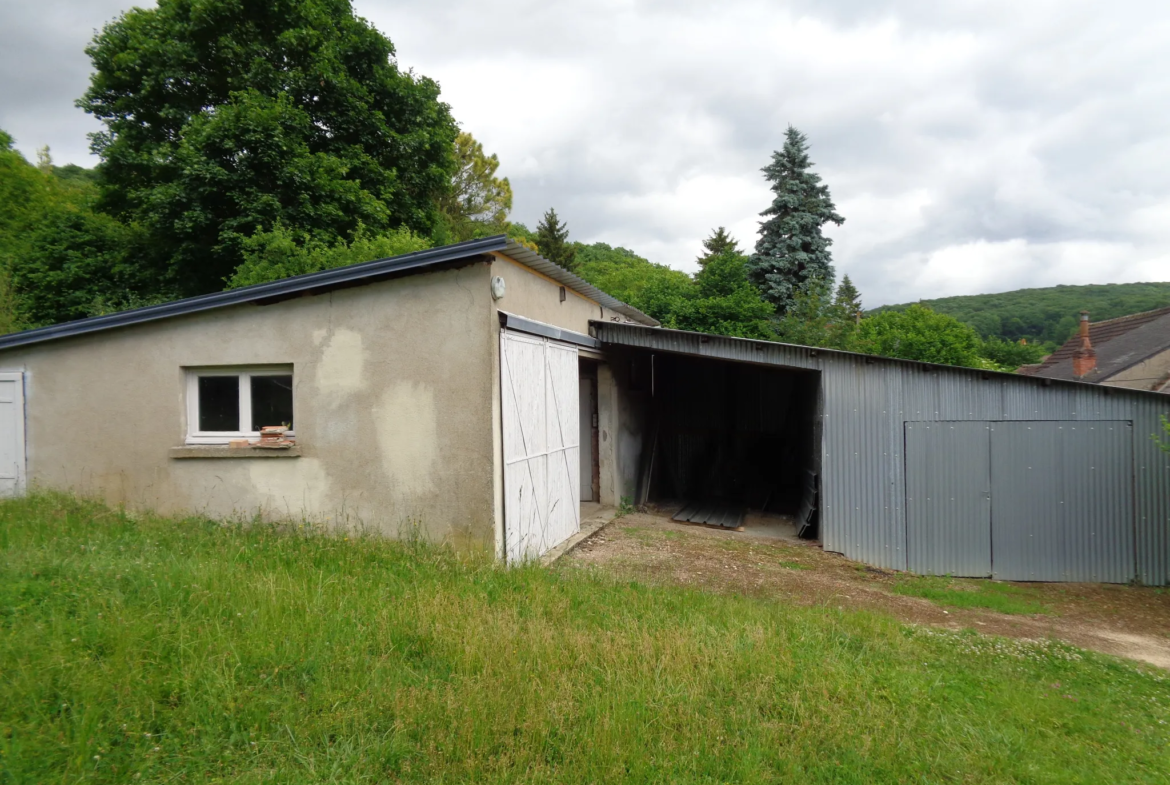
(791, 251)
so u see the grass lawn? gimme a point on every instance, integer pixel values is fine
(970, 593)
(151, 650)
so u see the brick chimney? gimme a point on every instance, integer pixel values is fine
(1084, 358)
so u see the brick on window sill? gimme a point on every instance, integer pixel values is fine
(219, 451)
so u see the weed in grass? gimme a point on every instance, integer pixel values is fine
(186, 650)
(970, 593)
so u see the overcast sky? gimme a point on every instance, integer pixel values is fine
(971, 146)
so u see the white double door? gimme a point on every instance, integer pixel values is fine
(11, 434)
(542, 452)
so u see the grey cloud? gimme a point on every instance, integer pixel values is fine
(984, 144)
(45, 69)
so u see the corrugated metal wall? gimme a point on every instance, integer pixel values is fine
(868, 400)
(948, 498)
(1062, 500)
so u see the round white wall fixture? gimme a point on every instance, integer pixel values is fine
(497, 288)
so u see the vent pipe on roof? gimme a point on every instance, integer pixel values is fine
(1084, 358)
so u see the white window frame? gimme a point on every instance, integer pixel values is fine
(245, 374)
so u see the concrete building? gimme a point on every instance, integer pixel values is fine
(389, 374)
(1131, 351)
(477, 394)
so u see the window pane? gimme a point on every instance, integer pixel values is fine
(219, 403)
(271, 401)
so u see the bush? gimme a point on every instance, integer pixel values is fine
(281, 253)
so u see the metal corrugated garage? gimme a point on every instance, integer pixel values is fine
(948, 470)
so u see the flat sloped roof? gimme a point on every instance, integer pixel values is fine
(326, 280)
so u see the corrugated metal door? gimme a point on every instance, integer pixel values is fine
(1062, 501)
(948, 504)
(541, 451)
(11, 433)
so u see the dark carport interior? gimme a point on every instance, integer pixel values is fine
(727, 437)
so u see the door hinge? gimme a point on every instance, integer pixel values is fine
(595, 419)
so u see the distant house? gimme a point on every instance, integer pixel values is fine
(1131, 351)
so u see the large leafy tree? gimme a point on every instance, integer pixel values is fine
(281, 253)
(919, 333)
(552, 238)
(227, 117)
(477, 203)
(792, 250)
(59, 259)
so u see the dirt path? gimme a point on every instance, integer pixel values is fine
(1126, 621)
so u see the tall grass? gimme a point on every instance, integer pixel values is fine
(156, 650)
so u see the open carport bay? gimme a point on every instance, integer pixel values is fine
(727, 439)
(906, 465)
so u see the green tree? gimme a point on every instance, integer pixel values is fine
(652, 288)
(816, 318)
(59, 260)
(1010, 355)
(847, 298)
(281, 253)
(792, 250)
(552, 238)
(919, 333)
(82, 263)
(719, 299)
(227, 117)
(719, 243)
(477, 203)
(724, 302)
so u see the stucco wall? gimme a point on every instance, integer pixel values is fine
(1144, 375)
(538, 297)
(390, 382)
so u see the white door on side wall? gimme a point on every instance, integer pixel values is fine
(542, 479)
(11, 433)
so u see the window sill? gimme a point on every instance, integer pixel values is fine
(221, 451)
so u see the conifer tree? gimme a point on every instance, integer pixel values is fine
(792, 252)
(848, 299)
(552, 238)
(719, 243)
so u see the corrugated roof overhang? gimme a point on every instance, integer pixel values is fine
(327, 280)
(723, 347)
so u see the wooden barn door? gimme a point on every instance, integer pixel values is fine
(542, 479)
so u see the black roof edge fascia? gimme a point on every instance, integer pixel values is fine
(598, 326)
(276, 290)
(511, 321)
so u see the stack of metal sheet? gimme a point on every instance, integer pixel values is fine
(727, 515)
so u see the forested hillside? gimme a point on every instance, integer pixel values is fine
(1046, 315)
